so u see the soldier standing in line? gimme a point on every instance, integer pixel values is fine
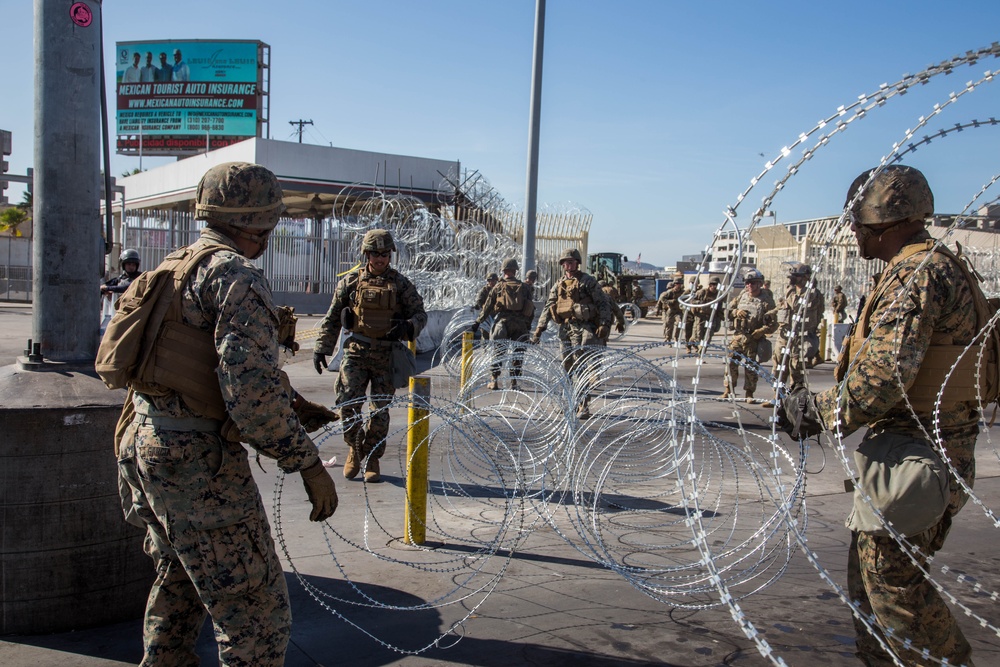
(751, 320)
(608, 288)
(511, 304)
(805, 345)
(891, 377)
(530, 278)
(703, 315)
(669, 307)
(378, 306)
(839, 304)
(188, 477)
(765, 292)
(577, 304)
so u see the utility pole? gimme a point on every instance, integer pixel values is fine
(300, 123)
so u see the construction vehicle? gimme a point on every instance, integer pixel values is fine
(610, 266)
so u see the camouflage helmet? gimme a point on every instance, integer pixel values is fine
(377, 240)
(798, 269)
(898, 193)
(129, 255)
(752, 275)
(838, 288)
(510, 264)
(492, 277)
(241, 195)
(531, 275)
(571, 253)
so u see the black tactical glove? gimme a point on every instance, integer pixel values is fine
(474, 327)
(319, 362)
(620, 327)
(321, 490)
(535, 338)
(401, 330)
(313, 416)
(603, 331)
(797, 414)
(348, 319)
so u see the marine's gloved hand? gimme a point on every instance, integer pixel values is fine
(535, 337)
(742, 314)
(797, 414)
(758, 333)
(620, 327)
(321, 490)
(313, 415)
(348, 319)
(474, 327)
(400, 330)
(603, 331)
(319, 362)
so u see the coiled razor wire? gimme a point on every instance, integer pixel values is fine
(692, 512)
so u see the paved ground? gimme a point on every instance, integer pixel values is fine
(530, 592)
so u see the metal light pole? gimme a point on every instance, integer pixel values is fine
(531, 197)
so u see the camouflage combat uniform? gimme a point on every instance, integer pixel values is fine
(367, 360)
(669, 307)
(579, 306)
(697, 324)
(806, 343)
(481, 297)
(839, 304)
(903, 323)
(206, 527)
(751, 320)
(510, 322)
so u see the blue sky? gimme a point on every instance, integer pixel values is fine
(655, 113)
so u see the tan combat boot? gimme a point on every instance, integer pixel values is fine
(750, 398)
(493, 385)
(352, 466)
(372, 471)
(726, 393)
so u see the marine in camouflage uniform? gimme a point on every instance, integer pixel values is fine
(790, 318)
(915, 311)
(613, 297)
(751, 320)
(669, 307)
(187, 479)
(379, 306)
(839, 305)
(580, 308)
(509, 302)
(698, 319)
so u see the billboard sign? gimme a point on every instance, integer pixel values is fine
(173, 96)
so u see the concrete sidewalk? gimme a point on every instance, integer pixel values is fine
(521, 583)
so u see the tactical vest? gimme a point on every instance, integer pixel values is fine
(570, 305)
(757, 309)
(148, 347)
(980, 361)
(793, 305)
(375, 304)
(511, 297)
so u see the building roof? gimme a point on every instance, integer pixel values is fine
(315, 179)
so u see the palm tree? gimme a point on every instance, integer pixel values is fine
(11, 218)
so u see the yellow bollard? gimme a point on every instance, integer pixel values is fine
(413, 346)
(467, 339)
(822, 340)
(417, 456)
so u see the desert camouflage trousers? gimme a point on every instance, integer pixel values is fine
(754, 351)
(210, 541)
(805, 347)
(365, 369)
(671, 322)
(513, 329)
